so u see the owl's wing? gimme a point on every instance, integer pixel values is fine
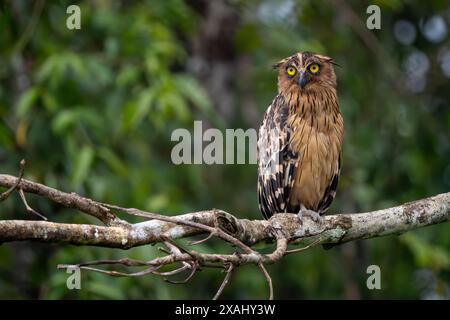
(277, 163)
(330, 191)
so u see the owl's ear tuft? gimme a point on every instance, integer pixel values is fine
(330, 60)
(334, 63)
(276, 65)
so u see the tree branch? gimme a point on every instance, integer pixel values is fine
(334, 229)
(283, 228)
(69, 200)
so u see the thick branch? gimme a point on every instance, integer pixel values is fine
(240, 233)
(333, 229)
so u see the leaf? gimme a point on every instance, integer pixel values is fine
(195, 93)
(157, 202)
(127, 75)
(135, 112)
(113, 161)
(47, 68)
(64, 120)
(26, 101)
(75, 63)
(6, 139)
(175, 103)
(49, 101)
(82, 164)
(426, 255)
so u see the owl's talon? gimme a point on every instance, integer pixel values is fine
(313, 215)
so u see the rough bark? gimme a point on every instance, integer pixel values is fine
(283, 228)
(332, 229)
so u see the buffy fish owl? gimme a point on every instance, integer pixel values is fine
(300, 139)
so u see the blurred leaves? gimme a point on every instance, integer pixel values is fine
(427, 255)
(92, 111)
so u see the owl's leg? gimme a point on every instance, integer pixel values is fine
(313, 215)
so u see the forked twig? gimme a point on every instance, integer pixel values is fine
(172, 272)
(194, 261)
(175, 253)
(16, 186)
(189, 277)
(7, 193)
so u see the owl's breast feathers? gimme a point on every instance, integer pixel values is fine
(299, 148)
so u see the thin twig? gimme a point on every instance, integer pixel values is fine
(176, 249)
(268, 278)
(189, 277)
(31, 27)
(312, 244)
(7, 193)
(125, 262)
(242, 234)
(173, 246)
(172, 272)
(69, 200)
(162, 249)
(193, 243)
(217, 231)
(27, 206)
(225, 281)
(117, 273)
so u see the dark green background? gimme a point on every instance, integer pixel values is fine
(92, 111)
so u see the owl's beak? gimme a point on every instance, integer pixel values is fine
(303, 78)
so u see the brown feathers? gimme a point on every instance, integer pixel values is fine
(300, 139)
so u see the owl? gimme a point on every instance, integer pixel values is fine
(300, 139)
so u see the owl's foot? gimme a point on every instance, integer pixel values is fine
(313, 215)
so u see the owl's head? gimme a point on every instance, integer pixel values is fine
(305, 71)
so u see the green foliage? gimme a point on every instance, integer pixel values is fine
(92, 111)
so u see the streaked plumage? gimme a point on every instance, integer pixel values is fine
(300, 139)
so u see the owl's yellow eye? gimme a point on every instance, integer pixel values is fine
(291, 71)
(314, 68)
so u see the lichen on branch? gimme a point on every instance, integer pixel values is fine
(283, 229)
